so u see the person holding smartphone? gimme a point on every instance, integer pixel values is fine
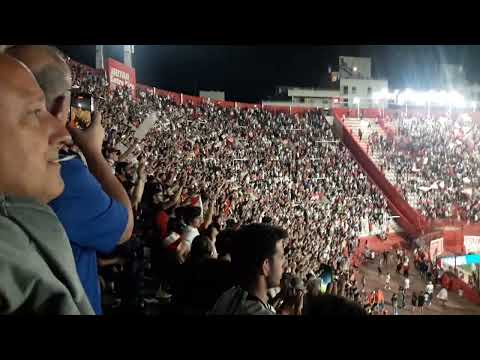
(94, 208)
(37, 269)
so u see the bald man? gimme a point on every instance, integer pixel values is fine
(37, 269)
(95, 209)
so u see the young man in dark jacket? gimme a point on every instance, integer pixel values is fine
(257, 260)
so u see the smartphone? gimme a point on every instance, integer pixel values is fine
(81, 111)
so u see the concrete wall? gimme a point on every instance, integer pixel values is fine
(363, 65)
(314, 93)
(214, 95)
(361, 87)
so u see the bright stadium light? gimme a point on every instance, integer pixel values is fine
(456, 99)
(421, 98)
(474, 106)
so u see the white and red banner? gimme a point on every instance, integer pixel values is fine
(120, 74)
(436, 248)
(472, 244)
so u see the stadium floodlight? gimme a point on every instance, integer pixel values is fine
(420, 98)
(456, 99)
(404, 97)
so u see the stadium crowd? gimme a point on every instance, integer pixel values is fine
(250, 166)
(202, 178)
(435, 161)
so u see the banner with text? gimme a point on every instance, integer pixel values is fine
(436, 248)
(120, 74)
(472, 244)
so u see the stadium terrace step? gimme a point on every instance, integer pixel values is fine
(368, 126)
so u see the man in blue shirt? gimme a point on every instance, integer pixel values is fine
(94, 208)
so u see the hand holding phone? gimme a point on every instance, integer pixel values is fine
(81, 111)
(89, 141)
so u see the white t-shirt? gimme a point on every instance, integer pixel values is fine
(429, 288)
(407, 283)
(189, 234)
(443, 294)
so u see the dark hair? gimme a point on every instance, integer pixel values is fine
(230, 223)
(266, 220)
(224, 242)
(252, 244)
(201, 249)
(209, 229)
(330, 305)
(179, 211)
(190, 213)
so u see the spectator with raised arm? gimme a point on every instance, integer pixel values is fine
(94, 208)
(37, 268)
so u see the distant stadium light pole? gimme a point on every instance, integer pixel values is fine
(128, 51)
(99, 57)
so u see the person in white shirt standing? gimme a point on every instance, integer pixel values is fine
(443, 296)
(192, 218)
(406, 284)
(429, 291)
(387, 281)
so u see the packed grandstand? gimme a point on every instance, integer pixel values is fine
(212, 184)
(250, 163)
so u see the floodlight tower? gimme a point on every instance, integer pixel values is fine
(99, 57)
(128, 51)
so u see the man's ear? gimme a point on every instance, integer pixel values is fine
(266, 268)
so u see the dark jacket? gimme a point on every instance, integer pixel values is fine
(237, 301)
(198, 286)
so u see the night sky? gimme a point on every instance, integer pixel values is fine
(251, 73)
